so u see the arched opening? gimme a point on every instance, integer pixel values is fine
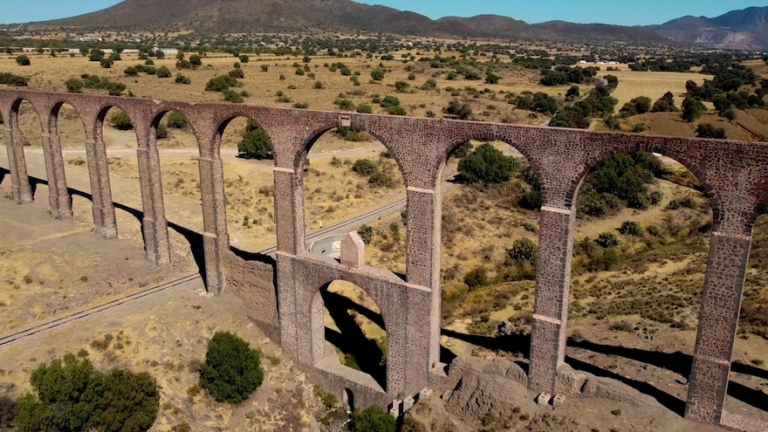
(25, 117)
(354, 330)
(349, 401)
(118, 181)
(489, 240)
(174, 144)
(748, 377)
(352, 183)
(640, 255)
(247, 158)
(68, 127)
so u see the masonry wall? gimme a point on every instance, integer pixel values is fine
(733, 174)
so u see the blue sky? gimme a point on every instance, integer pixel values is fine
(603, 11)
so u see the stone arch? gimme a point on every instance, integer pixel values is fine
(317, 332)
(21, 185)
(709, 191)
(53, 118)
(16, 105)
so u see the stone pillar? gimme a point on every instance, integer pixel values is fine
(289, 211)
(60, 201)
(423, 264)
(718, 321)
(550, 309)
(155, 226)
(104, 219)
(215, 237)
(22, 191)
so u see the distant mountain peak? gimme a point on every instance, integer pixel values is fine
(745, 29)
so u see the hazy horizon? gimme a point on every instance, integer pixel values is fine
(597, 11)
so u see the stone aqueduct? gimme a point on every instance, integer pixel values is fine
(733, 173)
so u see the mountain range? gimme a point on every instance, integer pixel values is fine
(744, 29)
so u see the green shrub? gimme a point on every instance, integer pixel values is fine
(265, 68)
(607, 240)
(164, 72)
(106, 62)
(397, 110)
(487, 165)
(463, 150)
(372, 419)
(131, 71)
(366, 233)
(390, 101)
(9, 409)
(183, 64)
(23, 60)
(121, 121)
(346, 104)
(382, 179)
(674, 205)
(692, 109)
(255, 143)
(706, 130)
(631, 228)
(523, 250)
(244, 59)
(531, 200)
(74, 85)
(364, 109)
(232, 96)
(462, 111)
(70, 395)
(401, 86)
(181, 79)
(318, 85)
(377, 74)
(237, 73)
(364, 167)
(176, 121)
(162, 131)
(476, 278)
(232, 369)
(195, 60)
(220, 83)
(13, 80)
(300, 71)
(131, 402)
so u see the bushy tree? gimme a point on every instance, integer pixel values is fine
(372, 419)
(523, 250)
(23, 60)
(255, 143)
(121, 121)
(130, 400)
(195, 60)
(232, 369)
(364, 167)
(706, 130)
(164, 72)
(72, 396)
(476, 278)
(176, 121)
(665, 104)
(237, 73)
(67, 397)
(631, 228)
(366, 233)
(692, 109)
(74, 85)
(182, 79)
(131, 71)
(459, 110)
(244, 59)
(487, 165)
(573, 92)
(377, 74)
(161, 132)
(607, 240)
(220, 83)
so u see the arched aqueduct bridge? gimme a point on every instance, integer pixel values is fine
(733, 173)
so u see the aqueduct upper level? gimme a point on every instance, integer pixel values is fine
(733, 173)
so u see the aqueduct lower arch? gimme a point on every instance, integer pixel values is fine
(734, 174)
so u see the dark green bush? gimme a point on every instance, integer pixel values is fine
(131, 71)
(13, 80)
(131, 402)
(364, 167)
(476, 278)
(74, 85)
(164, 72)
(23, 60)
(382, 179)
(366, 233)
(459, 110)
(372, 419)
(631, 228)
(692, 109)
(463, 150)
(706, 130)
(255, 143)
(364, 109)
(195, 60)
(162, 131)
(607, 240)
(176, 121)
(181, 79)
(70, 395)
(237, 73)
(244, 59)
(487, 165)
(530, 200)
(232, 96)
(220, 83)
(377, 74)
(9, 409)
(396, 110)
(232, 369)
(523, 250)
(121, 121)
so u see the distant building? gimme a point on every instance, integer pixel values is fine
(130, 51)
